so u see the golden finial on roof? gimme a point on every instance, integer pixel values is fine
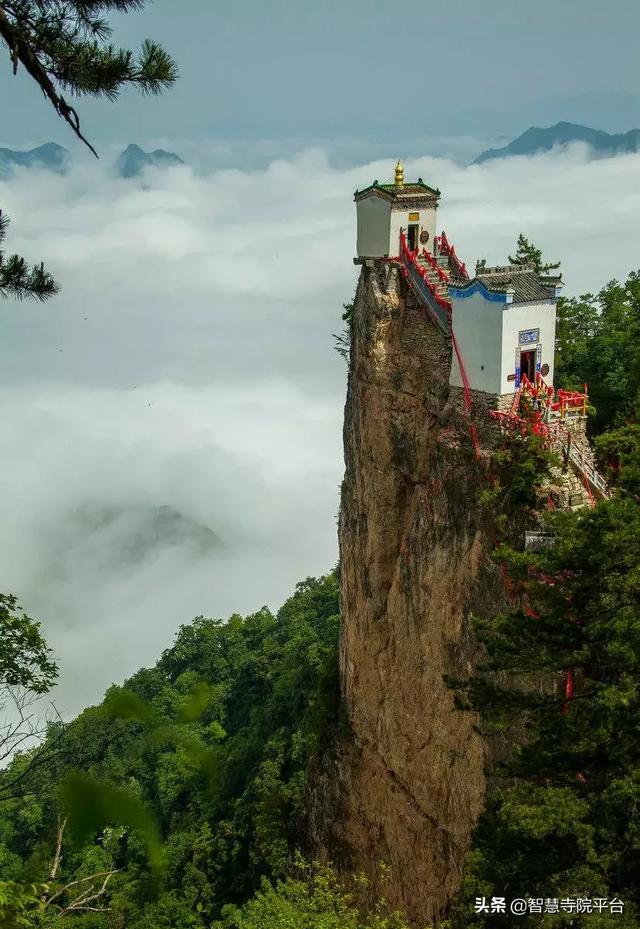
(399, 174)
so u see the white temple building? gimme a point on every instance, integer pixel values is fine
(503, 318)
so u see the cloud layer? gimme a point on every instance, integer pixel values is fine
(171, 424)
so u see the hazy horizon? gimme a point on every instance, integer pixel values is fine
(353, 76)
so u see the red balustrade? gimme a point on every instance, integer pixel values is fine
(408, 261)
(411, 257)
(436, 267)
(446, 248)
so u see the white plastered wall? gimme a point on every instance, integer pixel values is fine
(519, 317)
(400, 219)
(373, 215)
(477, 325)
(488, 334)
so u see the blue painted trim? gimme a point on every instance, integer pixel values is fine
(461, 293)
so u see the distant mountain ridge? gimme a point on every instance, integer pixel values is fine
(535, 140)
(52, 157)
(133, 160)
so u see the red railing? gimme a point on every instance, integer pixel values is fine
(446, 248)
(558, 404)
(444, 277)
(537, 390)
(553, 433)
(572, 402)
(418, 276)
(410, 257)
(513, 422)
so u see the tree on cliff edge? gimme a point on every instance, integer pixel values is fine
(64, 46)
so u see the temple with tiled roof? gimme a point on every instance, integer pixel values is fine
(503, 318)
(500, 323)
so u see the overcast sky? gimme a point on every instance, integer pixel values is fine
(171, 424)
(361, 73)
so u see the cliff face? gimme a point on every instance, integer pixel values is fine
(406, 785)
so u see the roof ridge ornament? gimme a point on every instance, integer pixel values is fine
(399, 181)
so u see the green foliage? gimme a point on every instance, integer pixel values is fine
(210, 748)
(521, 466)
(347, 316)
(527, 253)
(27, 671)
(92, 806)
(598, 341)
(18, 279)
(343, 339)
(563, 817)
(619, 450)
(64, 45)
(315, 899)
(25, 659)
(21, 906)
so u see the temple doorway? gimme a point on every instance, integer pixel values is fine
(528, 364)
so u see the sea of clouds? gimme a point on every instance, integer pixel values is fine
(171, 423)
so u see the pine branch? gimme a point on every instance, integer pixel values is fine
(21, 51)
(62, 46)
(20, 281)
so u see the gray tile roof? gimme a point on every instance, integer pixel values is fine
(410, 191)
(525, 283)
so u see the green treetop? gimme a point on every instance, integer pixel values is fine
(527, 253)
(25, 660)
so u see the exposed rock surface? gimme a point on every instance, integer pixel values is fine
(406, 785)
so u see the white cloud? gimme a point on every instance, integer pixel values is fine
(126, 513)
(181, 397)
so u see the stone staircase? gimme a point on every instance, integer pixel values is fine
(440, 286)
(580, 459)
(564, 426)
(444, 254)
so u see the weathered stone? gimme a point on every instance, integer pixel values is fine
(406, 783)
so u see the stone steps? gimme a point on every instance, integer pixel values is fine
(433, 277)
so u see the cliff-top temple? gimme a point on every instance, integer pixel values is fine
(504, 317)
(439, 363)
(501, 322)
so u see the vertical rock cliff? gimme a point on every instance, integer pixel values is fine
(406, 784)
